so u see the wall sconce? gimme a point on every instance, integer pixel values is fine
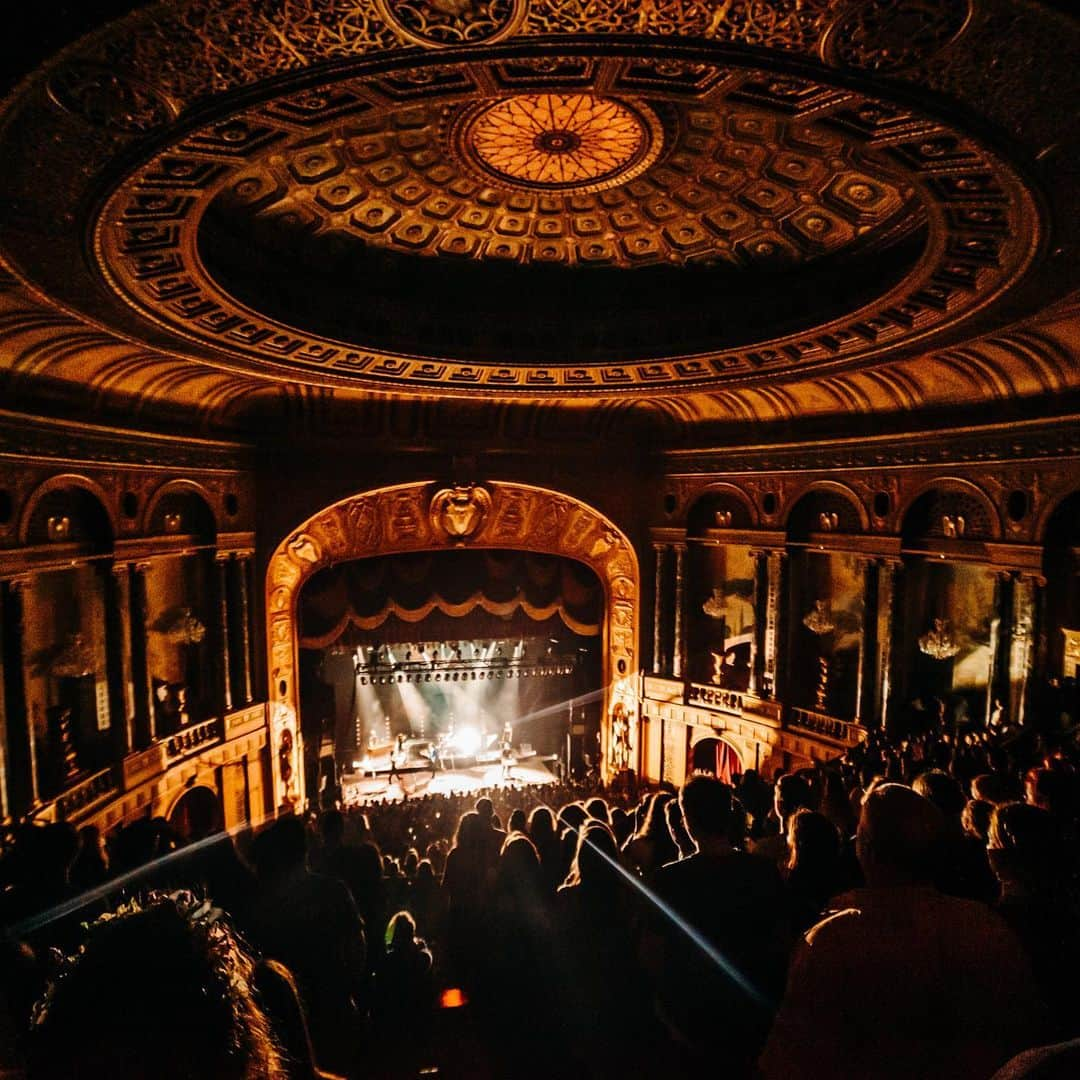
(723, 519)
(953, 526)
(828, 522)
(58, 528)
(173, 523)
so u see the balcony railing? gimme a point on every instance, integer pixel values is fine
(85, 793)
(843, 731)
(192, 738)
(715, 698)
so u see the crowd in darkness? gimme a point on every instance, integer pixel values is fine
(908, 910)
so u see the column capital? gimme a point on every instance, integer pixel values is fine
(19, 582)
(660, 546)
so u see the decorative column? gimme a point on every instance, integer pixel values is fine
(680, 591)
(243, 561)
(774, 565)
(866, 678)
(998, 680)
(22, 780)
(659, 552)
(221, 560)
(118, 658)
(757, 557)
(1021, 642)
(144, 723)
(887, 570)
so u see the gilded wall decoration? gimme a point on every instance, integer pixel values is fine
(513, 515)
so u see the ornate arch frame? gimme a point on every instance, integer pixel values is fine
(425, 516)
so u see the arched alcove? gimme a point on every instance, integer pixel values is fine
(1061, 612)
(424, 517)
(196, 813)
(723, 507)
(181, 508)
(826, 600)
(69, 510)
(714, 756)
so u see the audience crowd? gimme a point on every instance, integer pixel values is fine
(907, 910)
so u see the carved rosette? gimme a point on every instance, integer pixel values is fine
(414, 517)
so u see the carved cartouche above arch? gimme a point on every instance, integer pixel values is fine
(413, 517)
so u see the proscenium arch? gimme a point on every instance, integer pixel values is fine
(402, 518)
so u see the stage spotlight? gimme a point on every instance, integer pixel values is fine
(467, 741)
(438, 676)
(363, 680)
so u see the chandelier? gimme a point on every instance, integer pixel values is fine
(715, 607)
(819, 620)
(184, 628)
(939, 642)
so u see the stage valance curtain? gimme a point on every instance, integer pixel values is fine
(396, 592)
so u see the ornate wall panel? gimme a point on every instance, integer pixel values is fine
(420, 517)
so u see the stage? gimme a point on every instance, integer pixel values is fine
(415, 782)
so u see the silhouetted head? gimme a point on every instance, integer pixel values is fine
(813, 840)
(332, 827)
(899, 836)
(281, 848)
(164, 992)
(942, 790)
(706, 808)
(1024, 846)
(792, 793)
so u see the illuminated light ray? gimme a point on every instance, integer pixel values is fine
(113, 885)
(695, 935)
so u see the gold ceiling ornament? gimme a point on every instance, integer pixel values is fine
(562, 142)
(758, 172)
(440, 23)
(457, 513)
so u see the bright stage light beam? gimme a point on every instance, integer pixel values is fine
(695, 935)
(466, 741)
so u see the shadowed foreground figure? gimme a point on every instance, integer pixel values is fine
(903, 981)
(162, 992)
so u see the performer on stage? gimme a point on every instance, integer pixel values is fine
(507, 752)
(397, 756)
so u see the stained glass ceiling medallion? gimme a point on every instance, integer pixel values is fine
(565, 142)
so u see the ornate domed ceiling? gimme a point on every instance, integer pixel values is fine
(547, 197)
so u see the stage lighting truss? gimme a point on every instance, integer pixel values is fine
(385, 673)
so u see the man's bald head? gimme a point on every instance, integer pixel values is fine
(900, 835)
